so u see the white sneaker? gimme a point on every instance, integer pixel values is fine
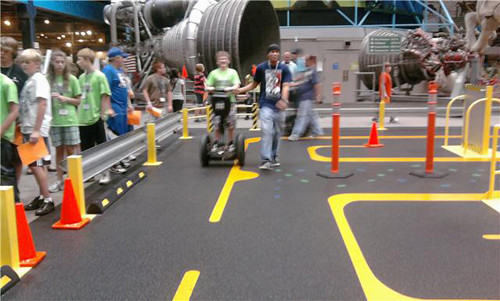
(117, 169)
(266, 166)
(57, 186)
(394, 120)
(132, 157)
(105, 178)
(293, 138)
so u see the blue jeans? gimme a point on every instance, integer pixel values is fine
(271, 124)
(305, 116)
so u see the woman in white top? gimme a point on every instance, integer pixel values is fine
(178, 91)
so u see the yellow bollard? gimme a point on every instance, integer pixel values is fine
(381, 115)
(487, 121)
(75, 173)
(185, 130)
(151, 134)
(210, 127)
(9, 242)
(255, 117)
(494, 161)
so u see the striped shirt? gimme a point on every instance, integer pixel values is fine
(199, 83)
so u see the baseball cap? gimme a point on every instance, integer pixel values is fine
(273, 47)
(115, 51)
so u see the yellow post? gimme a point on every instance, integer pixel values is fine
(487, 120)
(185, 130)
(447, 118)
(209, 119)
(75, 173)
(381, 115)
(255, 117)
(151, 134)
(493, 171)
(9, 242)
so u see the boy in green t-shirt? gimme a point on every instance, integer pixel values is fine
(227, 79)
(9, 109)
(64, 130)
(95, 105)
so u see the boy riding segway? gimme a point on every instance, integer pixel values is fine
(220, 83)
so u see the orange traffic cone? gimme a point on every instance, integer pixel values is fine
(184, 72)
(70, 214)
(373, 141)
(28, 257)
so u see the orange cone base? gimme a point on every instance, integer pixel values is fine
(74, 226)
(33, 261)
(373, 145)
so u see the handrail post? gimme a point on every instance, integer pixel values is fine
(151, 142)
(185, 130)
(447, 118)
(487, 120)
(493, 171)
(75, 173)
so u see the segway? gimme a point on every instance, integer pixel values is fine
(221, 104)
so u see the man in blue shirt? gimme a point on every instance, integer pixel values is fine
(120, 102)
(119, 91)
(273, 78)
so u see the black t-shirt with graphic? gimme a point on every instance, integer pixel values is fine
(271, 79)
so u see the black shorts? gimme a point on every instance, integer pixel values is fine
(199, 99)
(8, 173)
(177, 104)
(92, 135)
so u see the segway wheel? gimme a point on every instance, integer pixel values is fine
(240, 149)
(204, 150)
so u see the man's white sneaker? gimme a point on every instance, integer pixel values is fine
(105, 178)
(57, 186)
(293, 138)
(266, 166)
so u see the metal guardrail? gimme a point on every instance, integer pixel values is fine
(101, 157)
(409, 111)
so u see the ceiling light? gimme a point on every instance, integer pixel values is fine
(100, 40)
(58, 38)
(63, 36)
(46, 21)
(77, 33)
(80, 40)
(42, 34)
(89, 32)
(83, 33)
(68, 44)
(7, 22)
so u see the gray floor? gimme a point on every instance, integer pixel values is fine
(277, 239)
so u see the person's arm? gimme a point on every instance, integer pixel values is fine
(170, 101)
(247, 88)
(183, 90)
(106, 108)
(11, 117)
(42, 107)
(146, 97)
(317, 92)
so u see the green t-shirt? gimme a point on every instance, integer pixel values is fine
(223, 79)
(93, 86)
(63, 113)
(8, 95)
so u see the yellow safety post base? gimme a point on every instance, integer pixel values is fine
(151, 134)
(185, 130)
(381, 116)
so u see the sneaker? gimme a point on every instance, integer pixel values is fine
(293, 138)
(57, 186)
(393, 119)
(35, 204)
(214, 148)
(125, 163)
(117, 169)
(276, 162)
(105, 178)
(375, 119)
(51, 169)
(132, 158)
(47, 207)
(266, 166)
(231, 147)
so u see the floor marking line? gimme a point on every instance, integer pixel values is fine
(312, 151)
(491, 236)
(186, 286)
(366, 137)
(235, 175)
(373, 288)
